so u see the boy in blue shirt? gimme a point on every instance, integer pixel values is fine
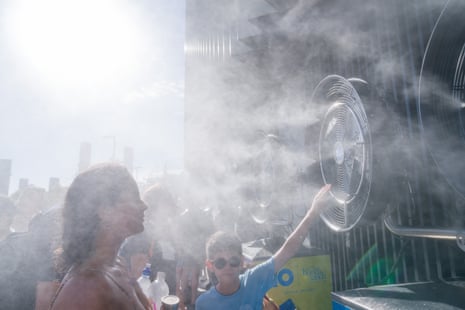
(236, 291)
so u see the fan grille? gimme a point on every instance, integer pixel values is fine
(342, 152)
(345, 152)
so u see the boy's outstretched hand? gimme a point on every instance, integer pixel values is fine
(321, 199)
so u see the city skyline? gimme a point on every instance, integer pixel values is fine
(109, 73)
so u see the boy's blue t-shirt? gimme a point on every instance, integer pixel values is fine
(255, 283)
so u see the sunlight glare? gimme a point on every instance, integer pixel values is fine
(71, 42)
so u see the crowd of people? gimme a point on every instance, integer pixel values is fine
(85, 246)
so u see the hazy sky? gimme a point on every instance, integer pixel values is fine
(108, 72)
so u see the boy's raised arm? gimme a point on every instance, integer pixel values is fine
(295, 239)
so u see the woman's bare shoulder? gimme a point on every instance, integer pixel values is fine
(87, 289)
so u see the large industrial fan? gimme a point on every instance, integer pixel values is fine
(345, 151)
(442, 94)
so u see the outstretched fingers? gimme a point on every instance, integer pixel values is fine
(321, 198)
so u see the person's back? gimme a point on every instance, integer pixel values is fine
(13, 287)
(193, 228)
(26, 258)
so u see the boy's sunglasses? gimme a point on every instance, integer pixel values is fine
(220, 263)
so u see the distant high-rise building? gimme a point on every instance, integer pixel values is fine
(5, 173)
(53, 184)
(23, 183)
(129, 158)
(84, 156)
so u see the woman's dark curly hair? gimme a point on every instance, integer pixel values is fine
(98, 187)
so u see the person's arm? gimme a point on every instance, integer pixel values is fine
(295, 240)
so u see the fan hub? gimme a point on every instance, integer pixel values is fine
(339, 152)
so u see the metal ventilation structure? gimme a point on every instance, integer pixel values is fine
(393, 147)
